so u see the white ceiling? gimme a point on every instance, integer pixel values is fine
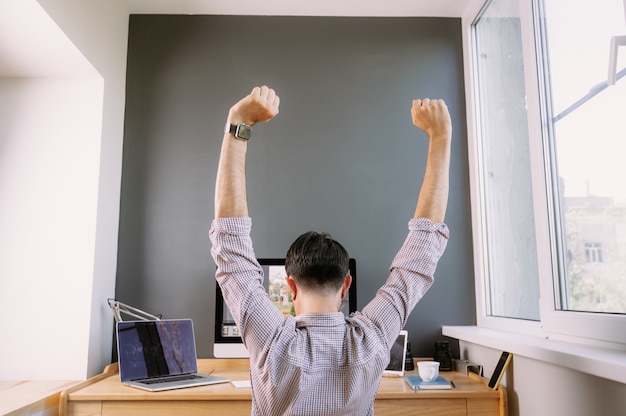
(32, 45)
(422, 8)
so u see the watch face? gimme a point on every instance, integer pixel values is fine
(243, 131)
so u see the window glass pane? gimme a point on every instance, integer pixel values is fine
(589, 140)
(507, 202)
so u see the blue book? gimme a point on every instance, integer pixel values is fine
(439, 383)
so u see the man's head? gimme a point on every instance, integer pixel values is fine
(317, 263)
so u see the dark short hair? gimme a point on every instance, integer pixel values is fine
(317, 262)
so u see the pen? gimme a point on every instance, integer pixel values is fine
(452, 382)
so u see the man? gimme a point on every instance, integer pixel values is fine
(319, 362)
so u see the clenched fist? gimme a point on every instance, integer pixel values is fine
(432, 116)
(259, 106)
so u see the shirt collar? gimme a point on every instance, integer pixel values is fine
(320, 319)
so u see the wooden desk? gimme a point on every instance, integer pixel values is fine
(21, 398)
(105, 395)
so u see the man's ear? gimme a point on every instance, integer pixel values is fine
(293, 288)
(346, 285)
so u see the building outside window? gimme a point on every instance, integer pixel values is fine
(593, 252)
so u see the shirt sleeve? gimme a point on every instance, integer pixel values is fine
(411, 274)
(241, 279)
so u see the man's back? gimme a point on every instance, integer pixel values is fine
(320, 364)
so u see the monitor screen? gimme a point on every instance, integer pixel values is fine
(228, 343)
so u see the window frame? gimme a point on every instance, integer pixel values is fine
(603, 330)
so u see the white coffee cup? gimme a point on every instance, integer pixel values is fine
(428, 370)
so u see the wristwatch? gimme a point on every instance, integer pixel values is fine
(240, 131)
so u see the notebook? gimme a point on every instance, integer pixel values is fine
(439, 383)
(397, 356)
(159, 355)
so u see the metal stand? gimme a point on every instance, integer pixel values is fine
(120, 308)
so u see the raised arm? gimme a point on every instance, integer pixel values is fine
(433, 117)
(230, 186)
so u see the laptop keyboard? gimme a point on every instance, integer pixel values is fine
(171, 379)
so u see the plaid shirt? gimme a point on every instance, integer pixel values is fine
(320, 363)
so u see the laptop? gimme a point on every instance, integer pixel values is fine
(159, 355)
(397, 356)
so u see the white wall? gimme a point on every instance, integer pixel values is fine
(539, 388)
(60, 170)
(99, 29)
(48, 186)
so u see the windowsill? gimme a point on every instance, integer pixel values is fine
(600, 362)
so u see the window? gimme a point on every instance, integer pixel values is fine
(547, 131)
(586, 131)
(504, 164)
(593, 253)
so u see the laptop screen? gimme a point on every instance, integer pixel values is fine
(155, 348)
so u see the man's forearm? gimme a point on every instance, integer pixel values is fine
(433, 117)
(433, 197)
(260, 105)
(230, 186)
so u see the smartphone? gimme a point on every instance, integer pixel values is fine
(503, 362)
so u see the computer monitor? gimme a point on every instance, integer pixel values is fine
(228, 343)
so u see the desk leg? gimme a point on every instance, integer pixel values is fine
(63, 407)
(504, 403)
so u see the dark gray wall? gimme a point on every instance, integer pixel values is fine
(342, 156)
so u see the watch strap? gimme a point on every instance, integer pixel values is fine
(241, 131)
